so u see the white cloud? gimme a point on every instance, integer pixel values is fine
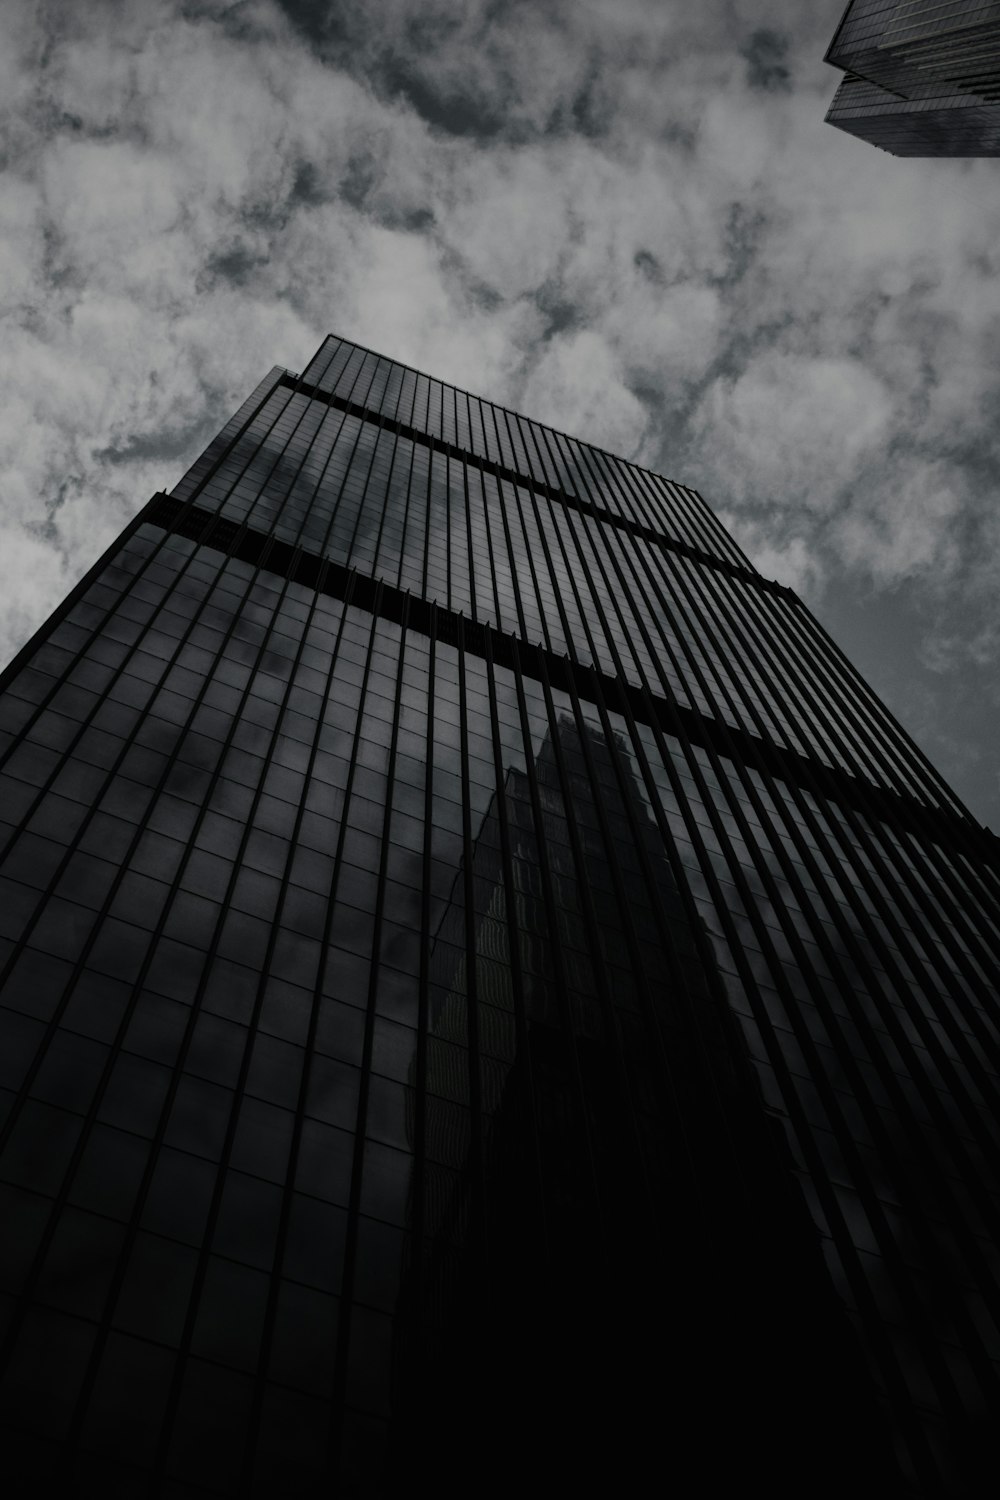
(581, 208)
(792, 430)
(790, 562)
(905, 527)
(576, 385)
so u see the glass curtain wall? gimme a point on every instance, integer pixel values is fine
(489, 996)
(921, 77)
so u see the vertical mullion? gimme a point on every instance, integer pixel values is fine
(477, 434)
(536, 1186)
(407, 397)
(713, 982)
(377, 565)
(867, 750)
(207, 464)
(406, 517)
(262, 487)
(621, 559)
(747, 648)
(115, 1046)
(856, 748)
(862, 879)
(500, 505)
(469, 547)
(569, 635)
(554, 947)
(364, 497)
(463, 427)
(901, 885)
(299, 1113)
(446, 507)
(840, 668)
(360, 1136)
(555, 515)
(724, 542)
(898, 1396)
(512, 429)
(22, 658)
(933, 1362)
(479, 528)
(296, 387)
(222, 1166)
(628, 503)
(156, 549)
(593, 929)
(412, 547)
(597, 484)
(873, 1209)
(679, 505)
(423, 1014)
(622, 474)
(480, 1248)
(507, 455)
(109, 780)
(549, 465)
(528, 553)
(627, 926)
(428, 518)
(339, 354)
(564, 462)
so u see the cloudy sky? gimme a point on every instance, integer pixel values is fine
(624, 216)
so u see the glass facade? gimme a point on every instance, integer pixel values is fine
(921, 77)
(489, 996)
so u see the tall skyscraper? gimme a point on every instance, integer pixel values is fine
(921, 77)
(490, 998)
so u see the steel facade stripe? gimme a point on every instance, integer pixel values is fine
(646, 524)
(788, 765)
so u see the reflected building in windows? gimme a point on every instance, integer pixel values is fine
(489, 996)
(921, 77)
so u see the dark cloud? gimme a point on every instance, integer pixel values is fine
(236, 265)
(414, 220)
(590, 111)
(646, 262)
(453, 113)
(766, 52)
(161, 447)
(559, 317)
(359, 178)
(746, 230)
(308, 187)
(317, 20)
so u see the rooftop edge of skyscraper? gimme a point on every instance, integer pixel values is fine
(930, 92)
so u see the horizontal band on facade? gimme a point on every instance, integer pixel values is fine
(591, 684)
(551, 491)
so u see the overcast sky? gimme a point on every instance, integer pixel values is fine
(626, 217)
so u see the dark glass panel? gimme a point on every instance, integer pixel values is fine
(292, 1441)
(212, 1426)
(45, 1372)
(230, 1314)
(39, 1147)
(247, 1225)
(25, 1216)
(126, 1406)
